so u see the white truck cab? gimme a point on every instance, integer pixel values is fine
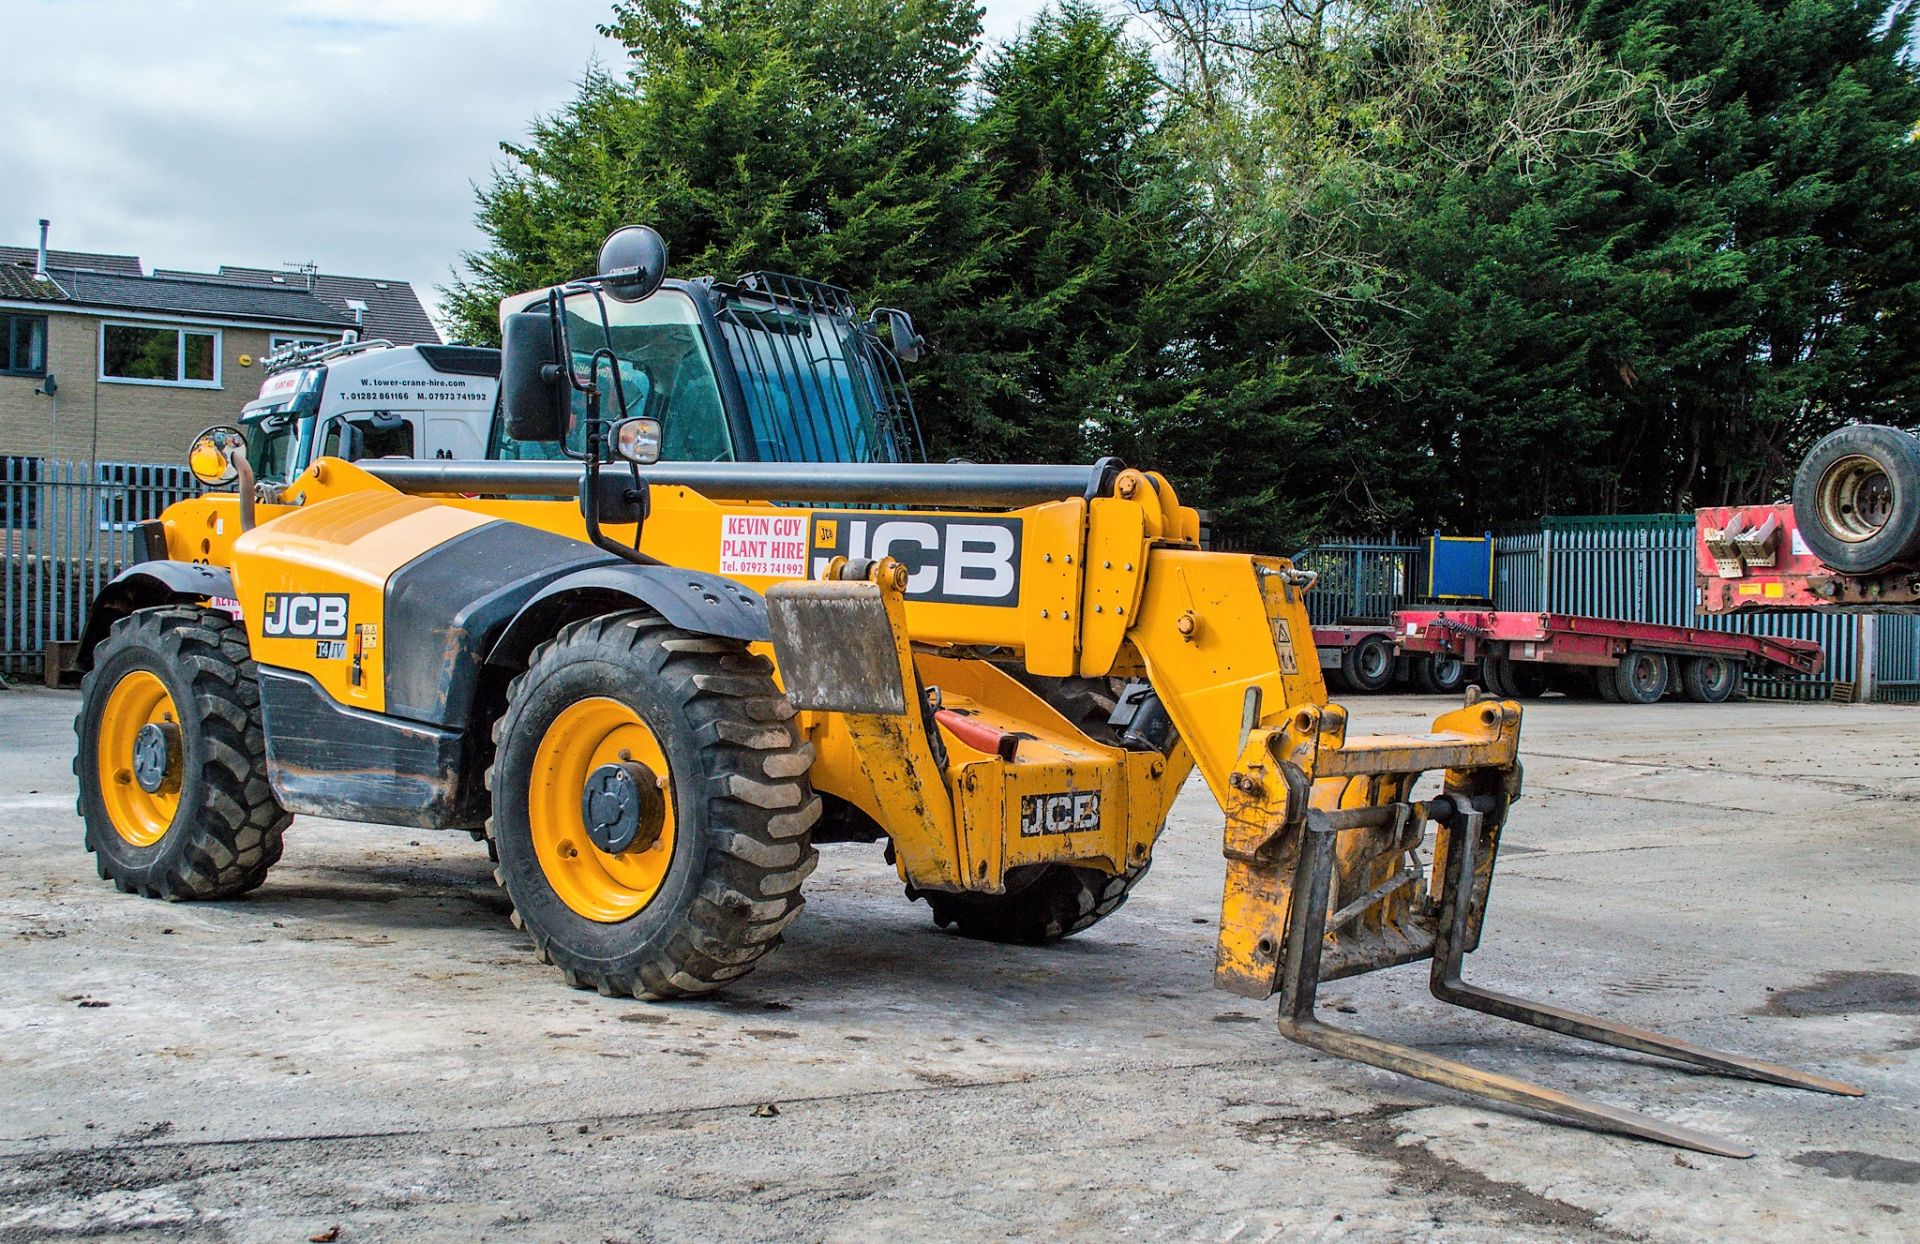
(370, 399)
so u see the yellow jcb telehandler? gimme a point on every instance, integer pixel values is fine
(699, 611)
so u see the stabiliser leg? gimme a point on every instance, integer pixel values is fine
(1307, 918)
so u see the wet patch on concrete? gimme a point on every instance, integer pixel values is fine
(1842, 993)
(1873, 1168)
(1376, 1134)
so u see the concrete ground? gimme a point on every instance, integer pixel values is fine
(364, 1049)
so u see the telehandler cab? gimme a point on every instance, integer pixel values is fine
(653, 685)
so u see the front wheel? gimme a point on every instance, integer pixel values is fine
(651, 808)
(172, 764)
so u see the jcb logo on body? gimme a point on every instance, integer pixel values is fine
(1068, 813)
(304, 615)
(964, 561)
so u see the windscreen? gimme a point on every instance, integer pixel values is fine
(663, 372)
(813, 389)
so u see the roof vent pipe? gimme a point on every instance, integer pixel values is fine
(40, 260)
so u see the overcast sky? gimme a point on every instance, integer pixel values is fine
(348, 133)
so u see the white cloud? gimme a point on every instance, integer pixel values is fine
(346, 132)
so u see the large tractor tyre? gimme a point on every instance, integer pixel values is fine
(652, 815)
(1641, 678)
(1045, 902)
(1710, 679)
(1436, 673)
(1856, 499)
(172, 765)
(1367, 667)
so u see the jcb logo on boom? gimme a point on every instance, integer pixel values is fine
(304, 615)
(964, 561)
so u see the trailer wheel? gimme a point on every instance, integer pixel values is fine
(1437, 673)
(1368, 665)
(1710, 679)
(651, 808)
(1856, 498)
(172, 764)
(1606, 683)
(1515, 680)
(1641, 678)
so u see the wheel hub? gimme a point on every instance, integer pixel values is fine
(623, 807)
(154, 749)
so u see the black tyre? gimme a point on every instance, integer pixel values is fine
(693, 864)
(171, 763)
(1641, 678)
(1606, 683)
(1710, 679)
(1045, 902)
(1488, 676)
(1368, 665)
(1856, 499)
(1436, 673)
(1517, 680)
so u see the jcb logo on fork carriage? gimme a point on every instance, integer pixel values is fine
(964, 561)
(1067, 813)
(304, 615)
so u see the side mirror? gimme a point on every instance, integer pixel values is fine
(908, 345)
(633, 262)
(530, 378)
(636, 440)
(211, 458)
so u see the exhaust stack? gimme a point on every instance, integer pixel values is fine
(40, 259)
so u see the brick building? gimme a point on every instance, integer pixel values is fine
(141, 362)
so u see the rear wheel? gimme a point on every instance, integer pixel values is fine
(1368, 665)
(651, 808)
(1710, 679)
(1045, 902)
(1641, 678)
(172, 764)
(1437, 673)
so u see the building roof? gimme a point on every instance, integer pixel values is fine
(214, 299)
(125, 265)
(392, 311)
(19, 283)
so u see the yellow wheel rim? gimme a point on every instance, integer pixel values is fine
(140, 816)
(600, 886)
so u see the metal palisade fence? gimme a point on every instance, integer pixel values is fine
(66, 528)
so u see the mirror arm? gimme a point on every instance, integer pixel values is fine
(590, 494)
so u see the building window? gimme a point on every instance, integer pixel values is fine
(277, 343)
(23, 345)
(143, 354)
(19, 493)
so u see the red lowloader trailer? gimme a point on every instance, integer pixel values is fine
(1523, 655)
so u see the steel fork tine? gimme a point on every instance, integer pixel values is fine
(1450, 950)
(1306, 934)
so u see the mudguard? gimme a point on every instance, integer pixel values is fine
(147, 585)
(693, 600)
